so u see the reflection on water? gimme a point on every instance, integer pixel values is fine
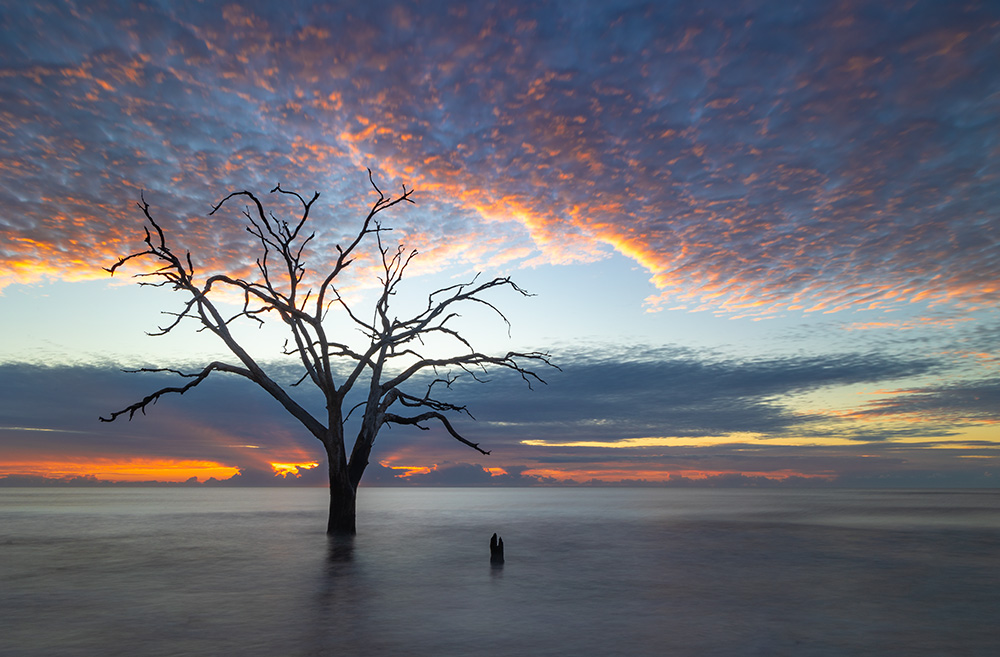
(339, 549)
(587, 572)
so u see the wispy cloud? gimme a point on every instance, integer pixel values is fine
(957, 403)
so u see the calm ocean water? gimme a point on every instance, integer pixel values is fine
(588, 572)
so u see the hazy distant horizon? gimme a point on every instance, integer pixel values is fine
(930, 482)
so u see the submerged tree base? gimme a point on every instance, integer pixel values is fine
(343, 512)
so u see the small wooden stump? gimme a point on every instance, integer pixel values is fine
(496, 550)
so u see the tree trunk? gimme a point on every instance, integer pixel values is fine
(342, 512)
(343, 496)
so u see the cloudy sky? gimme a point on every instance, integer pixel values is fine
(762, 236)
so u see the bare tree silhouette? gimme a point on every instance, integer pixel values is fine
(389, 356)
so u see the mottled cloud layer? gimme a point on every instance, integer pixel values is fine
(754, 157)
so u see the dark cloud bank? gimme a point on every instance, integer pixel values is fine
(658, 392)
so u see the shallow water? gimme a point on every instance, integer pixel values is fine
(588, 572)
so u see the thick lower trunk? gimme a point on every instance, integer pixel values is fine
(344, 488)
(343, 494)
(342, 513)
(343, 506)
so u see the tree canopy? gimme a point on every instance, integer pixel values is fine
(381, 369)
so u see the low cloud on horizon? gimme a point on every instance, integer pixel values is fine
(661, 414)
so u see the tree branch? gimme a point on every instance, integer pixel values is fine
(392, 418)
(154, 397)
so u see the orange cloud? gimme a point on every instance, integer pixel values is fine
(286, 469)
(408, 470)
(133, 469)
(908, 325)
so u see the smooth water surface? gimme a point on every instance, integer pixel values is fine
(588, 572)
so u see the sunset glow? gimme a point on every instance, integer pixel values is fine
(406, 471)
(127, 470)
(283, 469)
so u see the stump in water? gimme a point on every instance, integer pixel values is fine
(496, 550)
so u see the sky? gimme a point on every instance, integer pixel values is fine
(761, 237)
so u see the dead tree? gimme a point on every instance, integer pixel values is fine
(389, 356)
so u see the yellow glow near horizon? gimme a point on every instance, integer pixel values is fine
(407, 470)
(985, 435)
(283, 469)
(680, 441)
(612, 475)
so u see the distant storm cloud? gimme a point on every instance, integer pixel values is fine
(751, 156)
